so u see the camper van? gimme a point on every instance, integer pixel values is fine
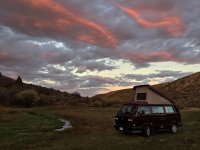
(150, 111)
(147, 118)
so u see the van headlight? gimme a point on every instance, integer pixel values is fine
(130, 120)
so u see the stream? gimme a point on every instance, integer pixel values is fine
(67, 125)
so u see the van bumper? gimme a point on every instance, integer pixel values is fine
(180, 124)
(128, 128)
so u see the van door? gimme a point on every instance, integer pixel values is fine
(158, 116)
(144, 115)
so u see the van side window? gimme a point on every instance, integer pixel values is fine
(157, 109)
(145, 109)
(141, 96)
(169, 109)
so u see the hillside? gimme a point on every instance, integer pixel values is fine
(184, 91)
(119, 96)
(9, 88)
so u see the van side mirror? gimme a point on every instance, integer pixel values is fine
(143, 112)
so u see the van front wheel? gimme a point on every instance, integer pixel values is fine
(146, 131)
(174, 128)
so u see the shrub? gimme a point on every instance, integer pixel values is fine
(4, 96)
(97, 104)
(43, 100)
(27, 98)
(107, 103)
(73, 102)
(76, 94)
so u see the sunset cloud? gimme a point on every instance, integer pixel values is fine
(94, 46)
(53, 20)
(172, 25)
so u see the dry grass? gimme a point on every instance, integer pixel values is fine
(92, 130)
(7, 114)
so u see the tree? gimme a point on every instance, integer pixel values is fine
(27, 98)
(19, 80)
(76, 94)
(1, 75)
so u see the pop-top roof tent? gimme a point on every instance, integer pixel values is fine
(148, 94)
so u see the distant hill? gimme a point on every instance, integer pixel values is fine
(119, 96)
(47, 96)
(184, 91)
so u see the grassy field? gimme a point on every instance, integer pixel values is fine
(92, 130)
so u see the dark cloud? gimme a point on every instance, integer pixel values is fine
(96, 81)
(161, 74)
(142, 52)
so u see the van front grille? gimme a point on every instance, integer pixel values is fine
(122, 121)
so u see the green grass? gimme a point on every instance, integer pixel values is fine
(92, 130)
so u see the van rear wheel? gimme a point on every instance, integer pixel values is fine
(126, 132)
(146, 131)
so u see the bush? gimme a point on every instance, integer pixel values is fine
(43, 100)
(76, 94)
(73, 102)
(4, 96)
(107, 103)
(27, 98)
(97, 104)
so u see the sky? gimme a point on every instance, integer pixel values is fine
(97, 46)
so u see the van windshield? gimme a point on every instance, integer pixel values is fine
(128, 109)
